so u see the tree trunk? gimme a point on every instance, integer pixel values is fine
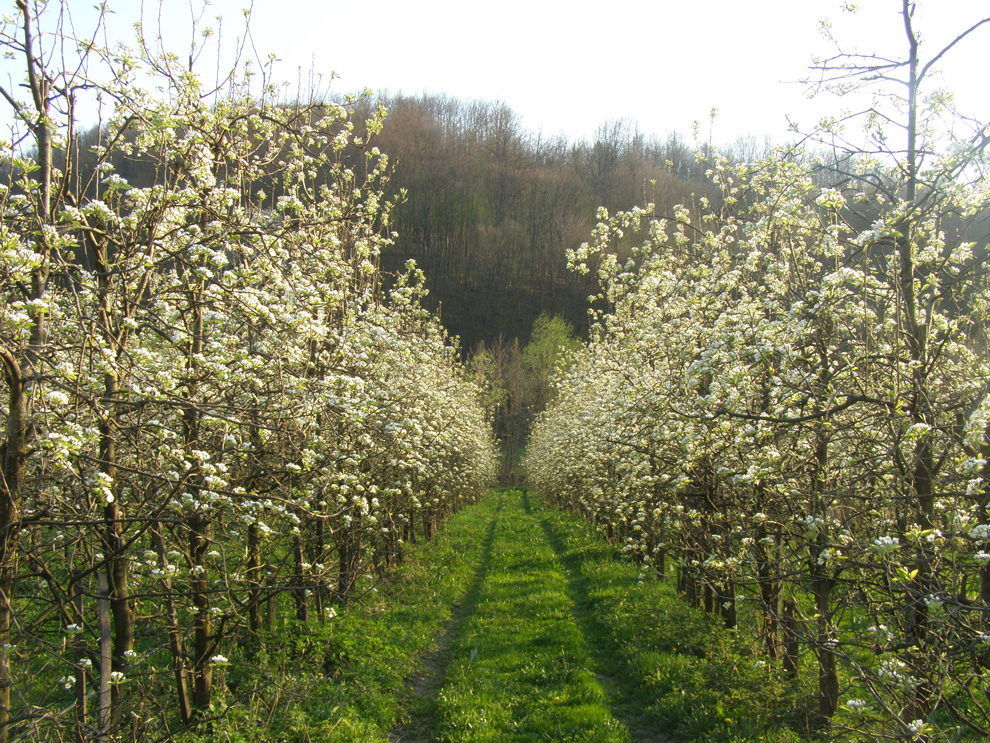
(81, 655)
(121, 605)
(411, 526)
(105, 694)
(14, 457)
(198, 523)
(20, 370)
(348, 555)
(254, 579)
(828, 678)
(299, 592)
(320, 596)
(791, 644)
(916, 334)
(271, 603)
(175, 642)
(727, 604)
(769, 595)
(8, 571)
(202, 670)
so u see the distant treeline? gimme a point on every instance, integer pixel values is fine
(490, 208)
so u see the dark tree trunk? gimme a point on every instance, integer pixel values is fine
(769, 595)
(299, 590)
(175, 641)
(791, 643)
(254, 579)
(727, 604)
(828, 677)
(198, 525)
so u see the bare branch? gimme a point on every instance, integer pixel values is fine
(934, 60)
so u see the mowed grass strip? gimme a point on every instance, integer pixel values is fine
(516, 623)
(672, 671)
(521, 668)
(353, 679)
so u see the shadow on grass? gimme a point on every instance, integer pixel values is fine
(623, 690)
(527, 507)
(419, 724)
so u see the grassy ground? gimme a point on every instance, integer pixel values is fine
(523, 667)
(516, 624)
(672, 667)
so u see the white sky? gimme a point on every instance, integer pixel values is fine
(566, 66)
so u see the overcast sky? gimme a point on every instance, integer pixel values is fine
(566, 66)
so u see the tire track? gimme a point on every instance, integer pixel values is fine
(420, 723)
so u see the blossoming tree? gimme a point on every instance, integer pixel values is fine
(788, 390)
(210, 401)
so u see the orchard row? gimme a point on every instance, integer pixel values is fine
(212, 406)
(786, 398)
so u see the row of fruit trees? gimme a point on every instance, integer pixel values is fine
(210, 401)
(786, 396)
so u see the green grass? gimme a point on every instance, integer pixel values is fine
(522, 669)
(673, 668)
(516, 623)
(349, 679)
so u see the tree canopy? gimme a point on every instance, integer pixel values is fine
(786, 393)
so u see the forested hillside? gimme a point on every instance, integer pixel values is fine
(490, 209)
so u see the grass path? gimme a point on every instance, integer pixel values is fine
(522, 659)
(518, 623)
(426, 683)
